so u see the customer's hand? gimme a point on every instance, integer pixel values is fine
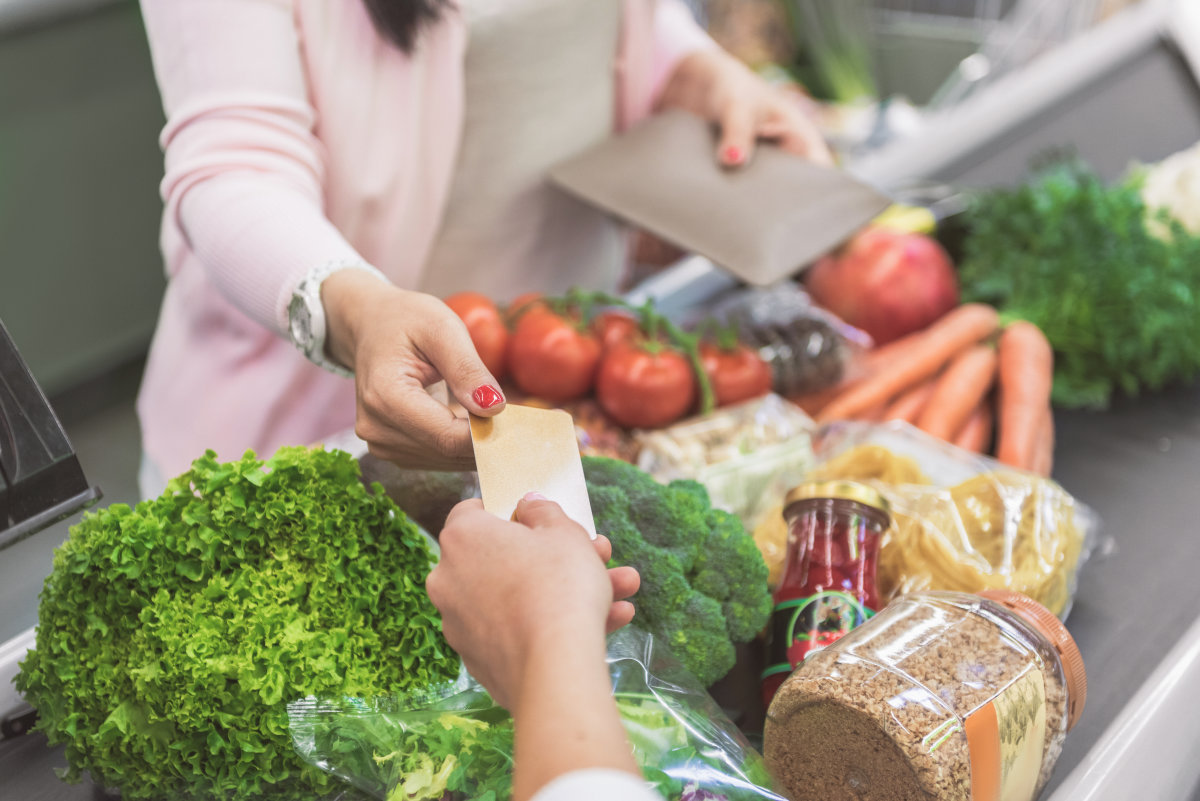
(716, 86)
(398, 343)
(515, 596)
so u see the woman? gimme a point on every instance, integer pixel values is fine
(332, 167)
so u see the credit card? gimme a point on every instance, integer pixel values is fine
(522, 450)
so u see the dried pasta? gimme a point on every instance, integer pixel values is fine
(999, 529)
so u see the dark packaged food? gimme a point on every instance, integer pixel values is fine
(808, 348)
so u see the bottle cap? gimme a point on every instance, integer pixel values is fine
(1059, 638)
(838, 490)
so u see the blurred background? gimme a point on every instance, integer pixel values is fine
(915, 95)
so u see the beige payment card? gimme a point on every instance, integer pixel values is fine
(522, 450)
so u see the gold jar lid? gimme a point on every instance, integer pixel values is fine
(838, 490)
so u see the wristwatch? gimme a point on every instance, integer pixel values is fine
(306, 313)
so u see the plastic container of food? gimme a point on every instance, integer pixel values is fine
(747, 455)
(942, 695)
(808, 348)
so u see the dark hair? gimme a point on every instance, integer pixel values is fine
(400, 21)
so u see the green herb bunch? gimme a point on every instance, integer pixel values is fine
(172, 635)
(1114, 286)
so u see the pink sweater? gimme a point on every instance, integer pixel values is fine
(296, 136)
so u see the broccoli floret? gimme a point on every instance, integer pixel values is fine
(614, 523)
(692, 488)
(665, 516)
(704, 583)
(696, 635)
(712, 582)
(746, 608)
(747, 616)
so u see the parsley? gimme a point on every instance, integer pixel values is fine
(172, 635)
(1116, 297)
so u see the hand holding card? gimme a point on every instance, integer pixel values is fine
(523, 450)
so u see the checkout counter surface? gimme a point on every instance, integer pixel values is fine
(1138, 465)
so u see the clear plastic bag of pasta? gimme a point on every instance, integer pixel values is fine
(455, 743)
(961, 521)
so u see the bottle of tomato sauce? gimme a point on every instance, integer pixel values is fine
(827, 586)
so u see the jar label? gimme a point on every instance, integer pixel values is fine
(803, 625)
(1006, 738)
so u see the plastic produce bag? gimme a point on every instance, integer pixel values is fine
(746, 456)
(960, 521)
(808, 348)
(456, 743)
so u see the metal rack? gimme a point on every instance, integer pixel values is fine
(1095, 91)
(1006, 34)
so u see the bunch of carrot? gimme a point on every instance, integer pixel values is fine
(965, 380)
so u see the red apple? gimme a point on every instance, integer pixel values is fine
(888, 283)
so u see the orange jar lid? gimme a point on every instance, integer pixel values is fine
(1059, 638)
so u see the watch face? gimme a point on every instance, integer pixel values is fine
(300, 322)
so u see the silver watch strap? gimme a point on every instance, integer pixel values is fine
(310, 288)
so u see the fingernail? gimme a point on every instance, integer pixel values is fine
(732, 154)
(487, 396)
(534, 496)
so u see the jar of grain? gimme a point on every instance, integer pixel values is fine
(942, 695)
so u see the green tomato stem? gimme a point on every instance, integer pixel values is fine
(690, 345)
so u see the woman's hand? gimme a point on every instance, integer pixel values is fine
(398, 343)
(516, 595)
(716, 86)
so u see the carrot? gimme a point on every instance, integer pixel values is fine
(1025, 376)
(872, 415)
(867, 365)
(1043, 457)
(813, 402)
(976, 433)
(908, 406)
(881, 355)
(959, 329)
(963, 385)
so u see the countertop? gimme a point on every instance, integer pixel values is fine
(1137, 465)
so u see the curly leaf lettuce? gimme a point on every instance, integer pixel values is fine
(172, 634)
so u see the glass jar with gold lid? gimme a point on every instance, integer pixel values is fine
(828, 582)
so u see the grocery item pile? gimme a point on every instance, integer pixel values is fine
(848, 475)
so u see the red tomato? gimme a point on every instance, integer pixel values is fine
(735, 375)
(521, 304)
(550, 358)
(613, 327)
(639, 389)
(485, 326)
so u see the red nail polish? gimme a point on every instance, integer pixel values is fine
(732, 155)
(487, 396)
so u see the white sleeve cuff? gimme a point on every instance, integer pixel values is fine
(597, 784)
